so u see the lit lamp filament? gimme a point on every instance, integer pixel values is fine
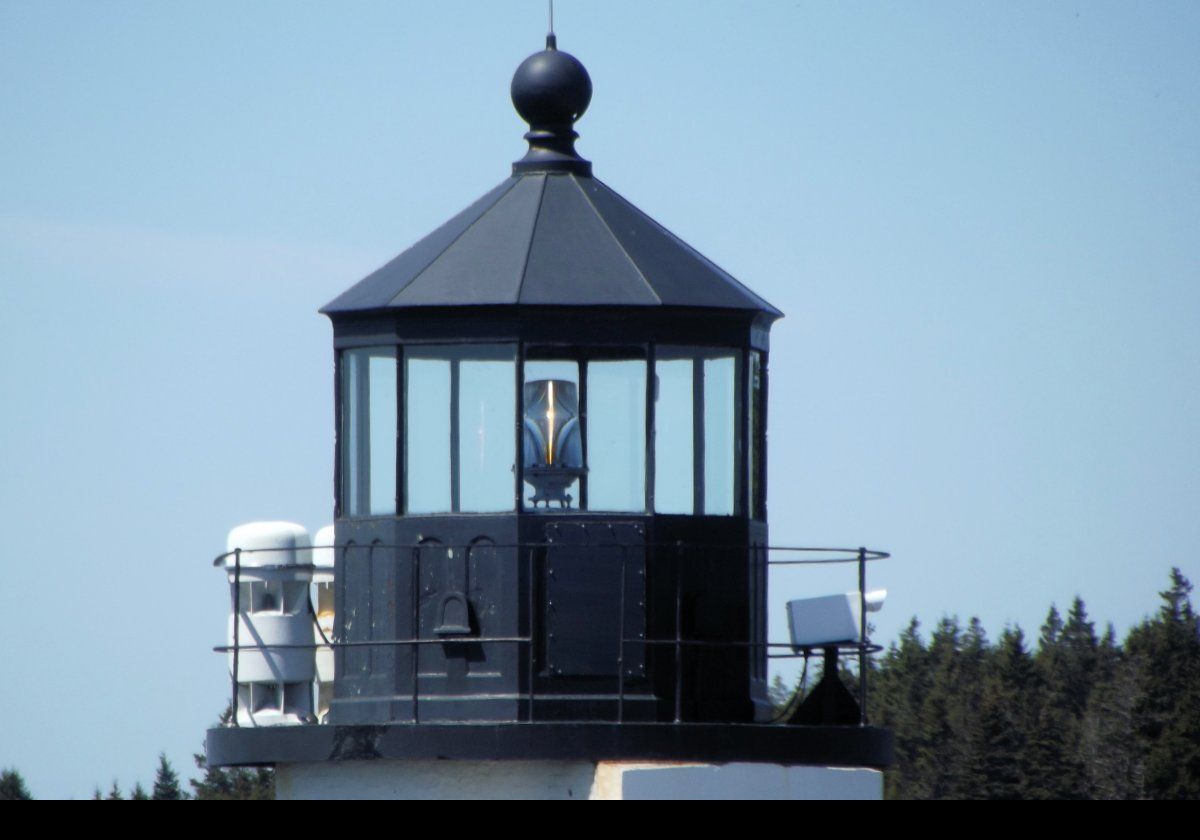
(550, 425)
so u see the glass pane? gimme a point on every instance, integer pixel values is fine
(383, 435)
(368, 445)
(720, 435)
(353, 463)
(552, 448)
(487, 406)
(616, 434)
(460, 406)
(673, 462)
(427, 435)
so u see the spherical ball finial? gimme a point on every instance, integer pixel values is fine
(551, 88)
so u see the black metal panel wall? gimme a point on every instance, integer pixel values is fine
(444, 581)
(703, 580)
(365, 689)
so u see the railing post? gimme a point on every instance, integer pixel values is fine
(237, 621)
(415, 647)
(621, 641)
(862, 635)
(529, 645)
(678, 632)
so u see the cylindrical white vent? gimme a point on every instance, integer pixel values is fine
(269, 582)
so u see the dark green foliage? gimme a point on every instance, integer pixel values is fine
(139, 793)
(114, 793)
(1079, 717)
(898, 690)
(779, 694)
(1000, 738)
(12, 787)
(166, 782)
(233, 784)
(238, 783)
(1166, 652)
(1108, 745)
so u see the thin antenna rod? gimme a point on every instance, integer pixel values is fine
(551, 17)
(551, 39)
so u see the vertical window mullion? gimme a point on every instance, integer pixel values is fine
(651, 419)
(339, 436)
(742, 447)
(401, 433)
(583, 430)
(698, 441)
(455, 453)
(519, 429)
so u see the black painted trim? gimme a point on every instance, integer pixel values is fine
(841, 746)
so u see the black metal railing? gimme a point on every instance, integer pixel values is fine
(789, 556)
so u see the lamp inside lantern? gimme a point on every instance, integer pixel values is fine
(553, 443)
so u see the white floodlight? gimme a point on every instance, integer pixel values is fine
(830, 619)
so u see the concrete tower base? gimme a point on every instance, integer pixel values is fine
(570, 780)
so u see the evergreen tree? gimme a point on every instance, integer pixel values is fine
(1066, 653)
(12, 787)
(997, 768)
(942, 751)
(1166, 652)
(973, 663)
(1051, 630)
(139, 793)
(897, 694)
(114, 793)
(238, 783)
(1051, 768)
(779, 694)
(166, 782)
(1109, 748)
(1078, 661)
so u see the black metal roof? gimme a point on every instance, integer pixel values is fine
(550, 239)
(551, 235)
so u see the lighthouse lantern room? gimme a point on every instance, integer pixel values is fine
(551, 499)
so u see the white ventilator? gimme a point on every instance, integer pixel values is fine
(275, 662)
(322, 560)
(830, 619)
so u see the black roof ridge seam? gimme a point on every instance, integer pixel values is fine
(515, 180)
(612, 233)
(537, 220)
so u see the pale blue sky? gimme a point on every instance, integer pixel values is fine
(980, 218)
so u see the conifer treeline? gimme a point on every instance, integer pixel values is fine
(1075, 716)
(215, 784)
